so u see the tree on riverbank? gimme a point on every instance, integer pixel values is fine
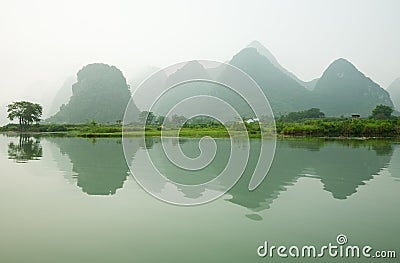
(382, 112)
(26, 112)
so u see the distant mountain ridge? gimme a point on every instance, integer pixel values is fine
(342, 89)
(101, 92)
(283, 92)
(394, 91)
(266, 53)
(62, 96)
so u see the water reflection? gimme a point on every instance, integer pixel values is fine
(394, 167)
(157, 185)
(341, 166)
(26, 149)
(99, 165)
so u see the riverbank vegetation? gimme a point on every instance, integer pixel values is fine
(308, 123)
(313, 123)
(340, 128)
(326, 127)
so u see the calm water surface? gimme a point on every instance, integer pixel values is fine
(73, 200)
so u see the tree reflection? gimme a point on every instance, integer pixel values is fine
(27, 149)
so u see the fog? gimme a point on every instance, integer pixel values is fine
(44, 42)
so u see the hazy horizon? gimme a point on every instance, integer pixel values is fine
(45, 42)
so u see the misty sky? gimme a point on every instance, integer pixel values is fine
(44, 42)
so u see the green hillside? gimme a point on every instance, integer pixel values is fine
(344, 90)
(284, 93)
(100, 94)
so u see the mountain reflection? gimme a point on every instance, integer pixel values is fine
(26, 149)
(99, 165)
(341, 166)
(394, 167)
(344, 166)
